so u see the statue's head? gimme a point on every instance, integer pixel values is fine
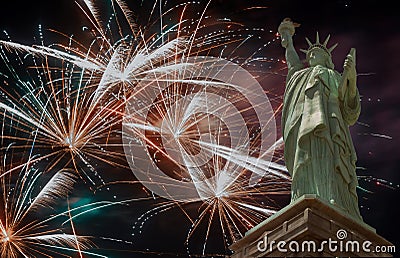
(319, 54)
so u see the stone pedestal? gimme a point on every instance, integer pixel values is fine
(311, 227)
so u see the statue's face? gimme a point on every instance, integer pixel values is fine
(317, 56)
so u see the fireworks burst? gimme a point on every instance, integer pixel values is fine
(208, 141)
(59, 123)
(22, 231)
(73, 110)
(208, 134)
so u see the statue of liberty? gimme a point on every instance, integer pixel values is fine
(319, 106)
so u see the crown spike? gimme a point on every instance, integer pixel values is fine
(317, 44)
(332, 47)
(309, 42)
(326, 40)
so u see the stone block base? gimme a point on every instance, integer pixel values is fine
(311, 227)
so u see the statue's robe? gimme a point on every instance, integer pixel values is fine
(319, 152)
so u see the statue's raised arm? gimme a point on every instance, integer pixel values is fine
(287, 29)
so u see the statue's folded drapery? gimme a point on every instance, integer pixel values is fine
(319, 152)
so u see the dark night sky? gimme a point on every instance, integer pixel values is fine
(372, 27)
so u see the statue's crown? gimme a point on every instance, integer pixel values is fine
(317, 44)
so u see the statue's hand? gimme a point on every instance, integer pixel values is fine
(286, 29)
